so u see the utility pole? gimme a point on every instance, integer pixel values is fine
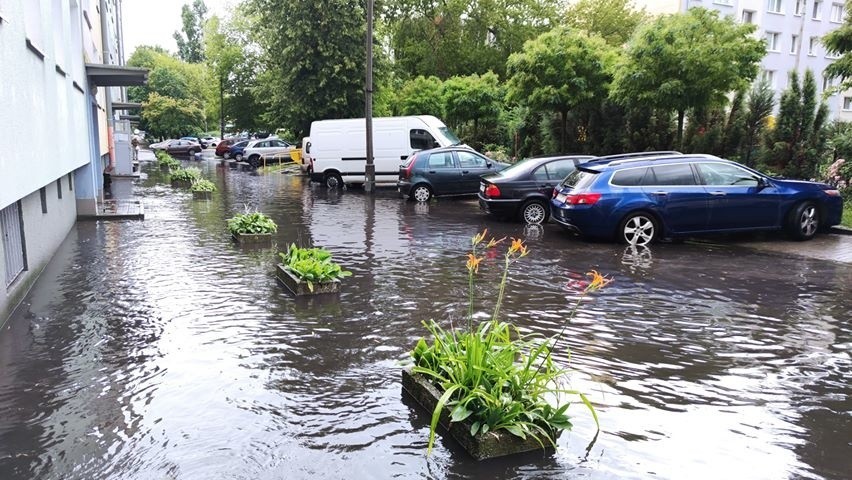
(370, 168)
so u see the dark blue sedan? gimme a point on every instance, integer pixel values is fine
(639, 200)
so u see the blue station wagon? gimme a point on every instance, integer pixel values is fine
(639, 200)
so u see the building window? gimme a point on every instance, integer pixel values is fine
(748, 16)
(826, 83)
(775, 6)
(847, 103)
(836, 12)
(800, 8)
(812, 46)
(14, 250)
(42, 192)
(723, 2)
(794, 44)
(773, 41)
(59, 188)
(768, 76)
(70, 183)
(817, 14)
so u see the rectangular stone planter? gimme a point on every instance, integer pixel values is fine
(181, 183)
(202, 195)
(482, 446)
(253, 239)
(299, 287)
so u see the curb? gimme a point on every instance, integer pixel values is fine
(840, 230)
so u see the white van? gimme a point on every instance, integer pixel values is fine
(338, 148)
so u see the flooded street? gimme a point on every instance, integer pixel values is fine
(159, 349)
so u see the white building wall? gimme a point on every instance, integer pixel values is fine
(44, 126)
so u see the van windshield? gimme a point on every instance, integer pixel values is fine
(448, 136)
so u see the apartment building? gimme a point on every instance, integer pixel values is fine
(61, 69)
(792, 30)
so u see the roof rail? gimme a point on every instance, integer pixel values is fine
(621, 156)
(664, 157)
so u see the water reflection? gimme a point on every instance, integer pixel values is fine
(160, 349)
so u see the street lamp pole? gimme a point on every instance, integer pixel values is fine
(370, 169)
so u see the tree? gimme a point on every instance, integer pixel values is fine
(761, 101)
(613, 20)
(190, 43)
(473, 99)
(687, 61)
(796, 144)
(559, 71)
(223, 53)
(171, 117)
(462, 37)
(314, 57)
(420, 96)
(839, 43)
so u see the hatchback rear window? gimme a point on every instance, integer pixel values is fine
(579, 180)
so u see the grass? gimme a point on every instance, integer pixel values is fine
(846, 221)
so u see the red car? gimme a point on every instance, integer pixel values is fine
(223, 149)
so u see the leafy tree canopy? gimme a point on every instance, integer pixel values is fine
(191, 43)
(171, 117)
(839, 43)
(687, 60)
(613, 20)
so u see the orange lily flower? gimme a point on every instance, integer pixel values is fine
(598, 281)
(473, 263)
(479, 237)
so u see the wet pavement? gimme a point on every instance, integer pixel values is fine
(159, 349)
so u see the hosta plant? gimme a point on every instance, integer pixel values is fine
(189, 175)
(312, 265)
(203, 185)
(252, 223)
(164, 158)
(492, 376)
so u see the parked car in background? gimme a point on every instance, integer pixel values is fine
(161, 145)
(184, 147)
(640, 200)
(524, 190)
(209, 141)
(235, 151)
(444, 171)
(271, 148)
(223, 147)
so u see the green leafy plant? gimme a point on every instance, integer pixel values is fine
(491, 375)
(313, 265)
(203, 185)
(164, 158)
(190, 175)
(251, 223)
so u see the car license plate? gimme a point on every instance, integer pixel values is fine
(561, 197)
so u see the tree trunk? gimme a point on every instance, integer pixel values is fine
(221, 107)
(680, 114)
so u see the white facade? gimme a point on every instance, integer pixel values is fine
(54, 129)
(792, 30)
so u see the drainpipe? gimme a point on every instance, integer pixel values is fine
(107, 92)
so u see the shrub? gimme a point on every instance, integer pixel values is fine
(191, 175)
(251, 223)
(313, 265)
(164, 158)
(203, 185)
(491, 375)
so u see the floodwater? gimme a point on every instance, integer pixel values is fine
(158, 349)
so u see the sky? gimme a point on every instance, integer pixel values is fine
(153, 22)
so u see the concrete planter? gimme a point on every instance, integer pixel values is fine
(253, 239)
(181, 183)
(481, 446)
(299, 287)
(202, 195)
